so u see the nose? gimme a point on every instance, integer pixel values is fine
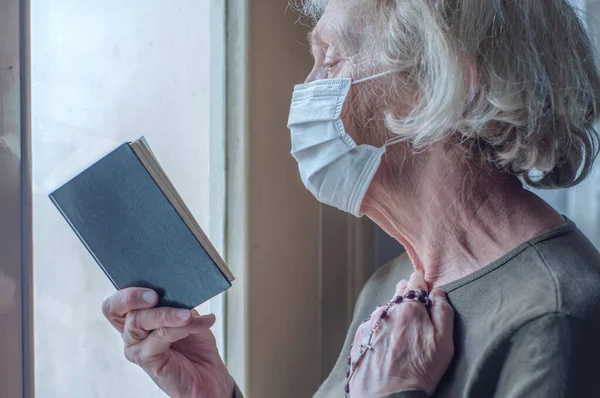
(315, 74)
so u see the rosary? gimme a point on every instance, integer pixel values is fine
(419, 295)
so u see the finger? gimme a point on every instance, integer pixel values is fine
(116, 306)
(442, 315)
(161, 339)
(417, 282)
(400, 288)
(139, 323)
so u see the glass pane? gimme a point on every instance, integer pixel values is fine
(106, 72)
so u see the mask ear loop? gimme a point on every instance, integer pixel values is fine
(377, 76)
(393, 141)
(396, 139)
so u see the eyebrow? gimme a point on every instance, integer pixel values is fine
(314, 40)
(314, 37)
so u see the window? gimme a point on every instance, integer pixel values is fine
(107, 72)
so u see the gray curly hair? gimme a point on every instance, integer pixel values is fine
(517, 80)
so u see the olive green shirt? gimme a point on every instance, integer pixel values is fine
(526, 325)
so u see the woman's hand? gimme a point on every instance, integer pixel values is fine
(411, 348)
(175, 347)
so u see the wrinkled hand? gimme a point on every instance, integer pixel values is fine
(175, 347)
(412, 349)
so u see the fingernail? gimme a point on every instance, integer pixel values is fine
(183, 314)
(149, 296)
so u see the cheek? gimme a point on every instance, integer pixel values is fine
(362, 119)
(398, 165)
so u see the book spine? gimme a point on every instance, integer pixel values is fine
(83, 241)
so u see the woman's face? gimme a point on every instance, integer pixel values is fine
(344, 45)
(341, 48)
(333, 44)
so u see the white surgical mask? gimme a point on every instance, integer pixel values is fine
(332, 167)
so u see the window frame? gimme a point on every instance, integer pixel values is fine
(217, 162)
(290, 254)
(16, 313)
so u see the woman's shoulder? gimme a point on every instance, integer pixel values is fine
(397, 269)
(553, 276)
(555, 273)
(380, 287)
(573, 265)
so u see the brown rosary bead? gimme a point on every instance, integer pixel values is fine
(422, 299)
(383, 315)
(410, 295)
(421, 293)
(398, 299)
(428, 304)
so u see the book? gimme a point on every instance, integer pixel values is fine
(131, 219)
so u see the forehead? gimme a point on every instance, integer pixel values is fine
(341, 21)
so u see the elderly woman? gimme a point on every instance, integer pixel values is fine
(429, 117)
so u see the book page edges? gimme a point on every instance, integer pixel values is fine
(150, 163)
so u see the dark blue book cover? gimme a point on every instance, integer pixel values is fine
(135, 234)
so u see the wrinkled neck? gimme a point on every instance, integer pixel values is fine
(453, 218)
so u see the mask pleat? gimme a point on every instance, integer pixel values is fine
(332, 167)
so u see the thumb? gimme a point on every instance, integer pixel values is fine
(442, 315)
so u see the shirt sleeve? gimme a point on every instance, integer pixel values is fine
(237, 393)
(555, 355)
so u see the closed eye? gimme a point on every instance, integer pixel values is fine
(332, 66)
